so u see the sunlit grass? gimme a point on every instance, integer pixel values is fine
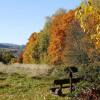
(20, 87)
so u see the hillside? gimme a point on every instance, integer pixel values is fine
(14, 48)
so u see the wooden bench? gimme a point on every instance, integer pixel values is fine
(60, 84)
(58, 89)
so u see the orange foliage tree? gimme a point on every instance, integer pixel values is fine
(20, 58)
(66, 45)
(58, 42)
(31, 54)
(59, 26)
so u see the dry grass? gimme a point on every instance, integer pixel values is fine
(28, 69)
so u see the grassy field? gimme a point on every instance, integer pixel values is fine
(19, 87)
(27, 82)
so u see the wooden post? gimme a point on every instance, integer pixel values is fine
(70, 71)
(70, 75)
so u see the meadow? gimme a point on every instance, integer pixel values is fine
(33, 82)
(26, 82)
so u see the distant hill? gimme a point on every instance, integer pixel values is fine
(15, 49)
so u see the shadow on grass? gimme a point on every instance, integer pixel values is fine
(63, 95)
(4, 85)
(3, 76)
(2, 73)
(37, 78)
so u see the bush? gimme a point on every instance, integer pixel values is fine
(90, 86)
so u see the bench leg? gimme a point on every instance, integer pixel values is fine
(58, 92)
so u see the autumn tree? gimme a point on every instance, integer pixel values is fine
(37, 46)
(20, 58)
(89, 16)
(57, 38)
(31, 52)
(64, 37)
(75, 50)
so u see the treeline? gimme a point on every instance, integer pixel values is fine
(71, 37)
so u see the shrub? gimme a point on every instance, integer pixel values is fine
(90, 86)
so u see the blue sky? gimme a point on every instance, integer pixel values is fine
(19, 18)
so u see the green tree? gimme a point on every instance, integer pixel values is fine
(44, 37)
